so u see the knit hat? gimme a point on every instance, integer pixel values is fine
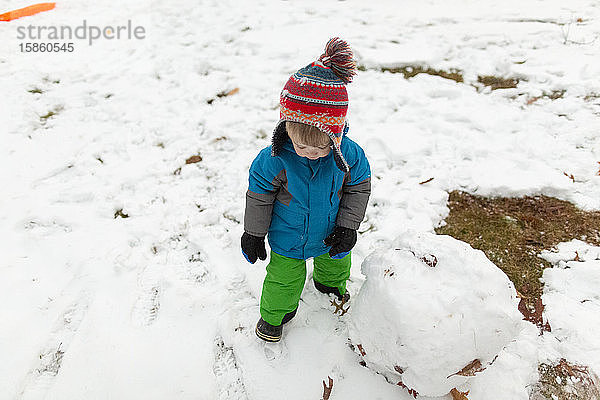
(316, 95)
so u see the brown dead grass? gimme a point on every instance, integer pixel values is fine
(456, 75)
(566, 381)
(44, 118)
(410, 71)
(554, 95)
(513, 231)
(591, 97)
(496, 82)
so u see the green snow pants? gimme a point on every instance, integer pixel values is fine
(285, 280)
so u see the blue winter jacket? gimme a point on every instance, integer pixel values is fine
(297, 202)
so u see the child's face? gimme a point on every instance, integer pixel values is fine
(310, 152)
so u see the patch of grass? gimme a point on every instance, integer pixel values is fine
(553, 95)
(36, 91)
(496, 82)
(513, 231)
(49, 114)
(48, 79)
(591, 96)
(410, 71)
(44, 118)
(565, 381)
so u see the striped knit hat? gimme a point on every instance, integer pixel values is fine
(316, 95)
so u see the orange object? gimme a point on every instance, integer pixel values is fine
(27, 11)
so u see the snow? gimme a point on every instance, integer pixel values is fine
(162, 304)
(572, 300)
(440, 306)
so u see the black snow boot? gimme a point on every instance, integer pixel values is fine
(272, 333)
(332, 290)
(268, 332)
(287, 317)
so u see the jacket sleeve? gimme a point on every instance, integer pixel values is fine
(263, 185)
(356, 189)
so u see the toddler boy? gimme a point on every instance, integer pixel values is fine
(308, 191)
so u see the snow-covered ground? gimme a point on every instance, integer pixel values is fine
(162, 304)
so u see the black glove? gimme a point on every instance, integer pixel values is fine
(341, 240)
(253, 247)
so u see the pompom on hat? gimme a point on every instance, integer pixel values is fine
(316, 95)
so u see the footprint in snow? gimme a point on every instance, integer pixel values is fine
(146, 307)
(229, 378)
(39, 380)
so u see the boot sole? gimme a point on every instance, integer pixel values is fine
(267, 338)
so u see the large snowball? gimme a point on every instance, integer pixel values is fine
(429, 307)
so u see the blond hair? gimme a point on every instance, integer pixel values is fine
(307, 135)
